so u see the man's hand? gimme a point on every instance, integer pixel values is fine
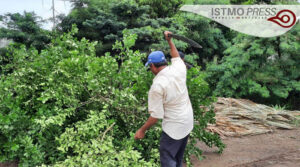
(166, 33)
(174, 53)
(139, 134)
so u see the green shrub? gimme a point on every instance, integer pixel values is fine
(265, 70)
(67, 107)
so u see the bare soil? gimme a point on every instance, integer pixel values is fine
(278, 149)
(9, 164)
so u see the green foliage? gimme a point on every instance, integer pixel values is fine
(199, 93)
(162, 9)
(249, 2)
(106, 24)
(261, 69)
(208, 2)
(3, 59)
(24, 29)
(66, 107)
(105, 21)
(278, 107)
(208, 34)
(271, 2)
(70, 102)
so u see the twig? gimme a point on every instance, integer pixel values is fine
(108, 129)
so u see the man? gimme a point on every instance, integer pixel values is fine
(168, 100)
(188, 66)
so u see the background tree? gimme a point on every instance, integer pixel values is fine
(22, 29)
(249, 2)
(25, 29)
(265, 70)
(105, 25)
(162, 9)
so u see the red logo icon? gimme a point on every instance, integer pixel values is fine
(284, 18)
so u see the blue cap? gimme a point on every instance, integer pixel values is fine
(156, 57)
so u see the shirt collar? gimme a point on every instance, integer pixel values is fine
(161, 72)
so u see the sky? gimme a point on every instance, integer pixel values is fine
(41, 7)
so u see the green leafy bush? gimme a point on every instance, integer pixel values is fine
(67, 107)
(162, 9)
(265, 70)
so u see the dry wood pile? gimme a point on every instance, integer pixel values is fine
(239, 117)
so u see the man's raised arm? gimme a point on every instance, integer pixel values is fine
(174, 52)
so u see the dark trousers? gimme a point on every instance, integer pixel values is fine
(171, 150)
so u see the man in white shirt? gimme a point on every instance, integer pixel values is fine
(168, 100)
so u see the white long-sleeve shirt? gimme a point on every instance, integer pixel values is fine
(168, 99)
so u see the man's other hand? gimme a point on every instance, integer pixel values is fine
(139, 134)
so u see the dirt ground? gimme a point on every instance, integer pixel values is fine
(278, 149)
